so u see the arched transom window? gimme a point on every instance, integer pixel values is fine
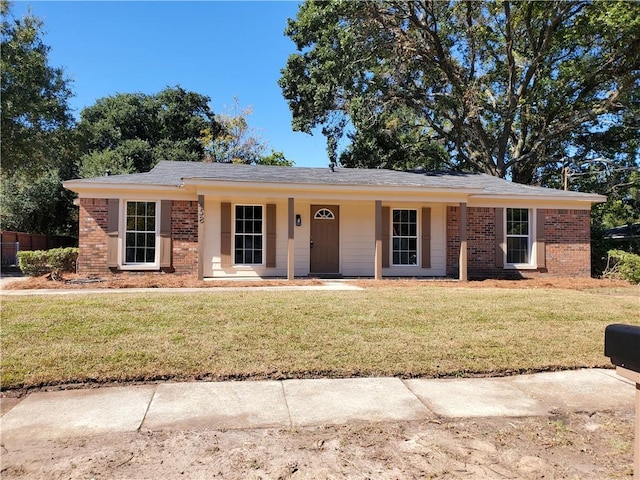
(324, 214)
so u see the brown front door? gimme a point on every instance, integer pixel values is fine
(325, 239)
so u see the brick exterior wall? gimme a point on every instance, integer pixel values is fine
(567, 244)
(93, 218)
(92, 238)
(184, 231)
(567, 241)
(453, 240)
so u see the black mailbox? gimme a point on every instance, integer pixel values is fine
(622, 346)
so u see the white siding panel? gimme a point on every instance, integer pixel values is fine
(438, 245)
(211, 237)
(357, 239)
(302, 236)
(213, 265)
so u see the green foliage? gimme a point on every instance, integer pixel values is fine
(107, 162)
(623, 265)
(131, 132)
(62, 260)
(621, 208)
(33, 263)
(393, 142)
(35, 116)
(38, 147)
(513, 89)
(276, 158)
(39, 204)
(56, 260)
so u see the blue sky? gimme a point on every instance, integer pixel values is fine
(219, 49)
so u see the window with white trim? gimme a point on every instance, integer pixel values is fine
(518, 233)
(405, 237)
(141, 233)
(248, 235)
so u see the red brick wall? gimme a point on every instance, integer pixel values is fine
(567, 244)
(481, 243)
(93, 237)
(184, 231)
(453, 240)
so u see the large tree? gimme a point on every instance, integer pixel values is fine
(238, 142)
(38, 143)
(131, 132)
(39, 204)
(514, 89)
(34, 110)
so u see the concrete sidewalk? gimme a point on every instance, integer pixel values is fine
(298, 403)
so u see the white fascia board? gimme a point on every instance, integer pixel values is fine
(101, 190)
(77, 186)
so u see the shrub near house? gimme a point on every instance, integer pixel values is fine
(56, 261)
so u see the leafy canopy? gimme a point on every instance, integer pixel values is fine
(38, 144)
(238, 142)
(35, 116)
(131, 132)
(513, 89)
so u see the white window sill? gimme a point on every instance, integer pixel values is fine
(520, 266)
(140, 266)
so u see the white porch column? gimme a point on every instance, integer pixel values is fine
(378, 237)
(463, 243)
(201, 241)
(291, 241)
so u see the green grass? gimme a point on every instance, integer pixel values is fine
(406, 331)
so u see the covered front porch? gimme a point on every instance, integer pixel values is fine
(257, 234)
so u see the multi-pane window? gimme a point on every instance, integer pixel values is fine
(405, 237)
(518, 243)
(140, 232)
(248, 235)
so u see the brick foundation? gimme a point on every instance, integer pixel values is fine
(93, 237)
(567, 244)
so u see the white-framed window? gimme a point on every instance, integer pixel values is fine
(141, 224)
(249, 235)
(405, 237)
(518, 236)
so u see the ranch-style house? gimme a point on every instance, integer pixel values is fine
(229, 221)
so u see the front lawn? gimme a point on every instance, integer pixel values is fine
(405, 330)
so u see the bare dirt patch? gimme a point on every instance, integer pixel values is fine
(586, 445)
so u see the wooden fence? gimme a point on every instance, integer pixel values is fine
(13, 242)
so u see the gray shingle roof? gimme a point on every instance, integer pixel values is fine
(168, 173)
